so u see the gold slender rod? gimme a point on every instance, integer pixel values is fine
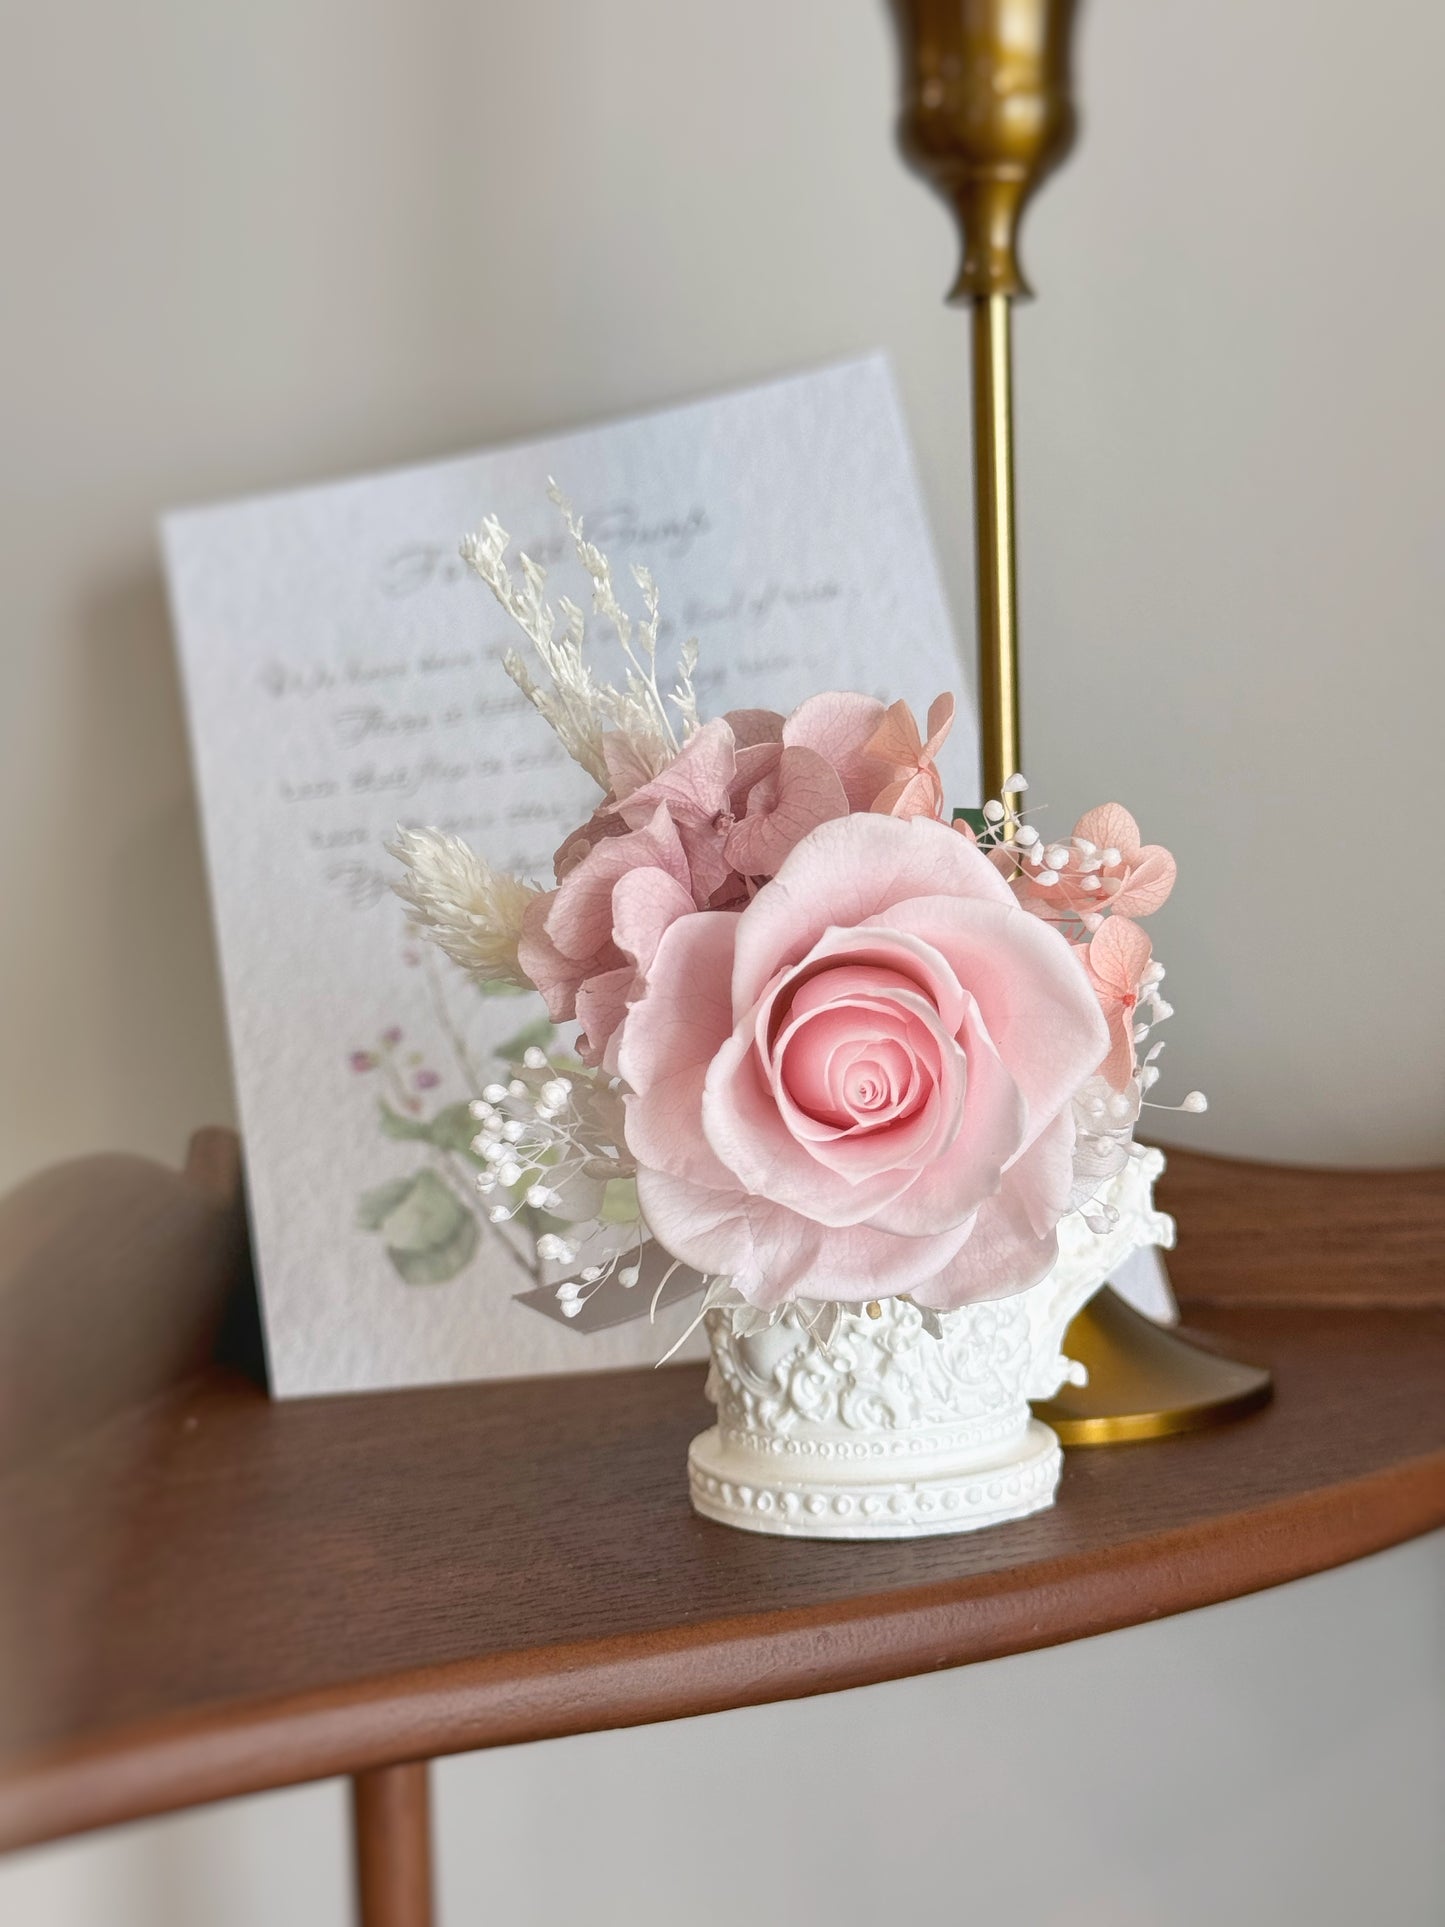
(988, 110)
(993, 482)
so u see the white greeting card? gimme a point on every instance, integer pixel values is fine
(343, 674)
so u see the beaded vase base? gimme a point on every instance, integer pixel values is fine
(890, 1432)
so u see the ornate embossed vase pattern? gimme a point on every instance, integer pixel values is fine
(890, 1432)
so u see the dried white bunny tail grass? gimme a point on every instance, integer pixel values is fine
(578, 708)
(471, 911)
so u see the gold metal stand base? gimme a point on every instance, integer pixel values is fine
(1145, 1380)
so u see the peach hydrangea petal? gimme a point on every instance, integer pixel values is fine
(1147, 883)
(1134, 884)
(941, 712)
(896, 740)
(1109, 826)
(919, 794)
(915, 787)
(1118, 955)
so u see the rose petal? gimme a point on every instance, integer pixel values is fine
(917, 963)
(848, 872)
(1050, 1040)
(971, 1168)
(806, 1119)
(863, 1152)
(671, 1036)
(1043, 1177)
(772, 1254)
(1003, 1254)
(751, 1139)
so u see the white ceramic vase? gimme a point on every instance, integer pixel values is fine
(892, 1433)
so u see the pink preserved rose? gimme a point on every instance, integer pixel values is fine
(862, 1083)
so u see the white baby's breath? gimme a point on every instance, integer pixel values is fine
(471, 911)
(579, 708)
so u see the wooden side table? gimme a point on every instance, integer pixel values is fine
(204, 1594)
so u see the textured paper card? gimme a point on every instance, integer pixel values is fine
(343, 674)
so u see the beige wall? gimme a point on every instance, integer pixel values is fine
(251, 245)
(246, 245)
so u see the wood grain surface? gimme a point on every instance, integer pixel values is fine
(218, 1594)
(204, 1594)
(1261, 1234)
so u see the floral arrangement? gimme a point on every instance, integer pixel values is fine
(836, 1042)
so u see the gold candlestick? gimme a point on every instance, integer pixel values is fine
(988, 112)
(993, 485)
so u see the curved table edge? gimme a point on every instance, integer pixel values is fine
(232, 1750)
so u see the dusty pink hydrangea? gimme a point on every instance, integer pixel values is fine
(705, 831)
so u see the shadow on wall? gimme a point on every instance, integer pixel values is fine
(162, 1023)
